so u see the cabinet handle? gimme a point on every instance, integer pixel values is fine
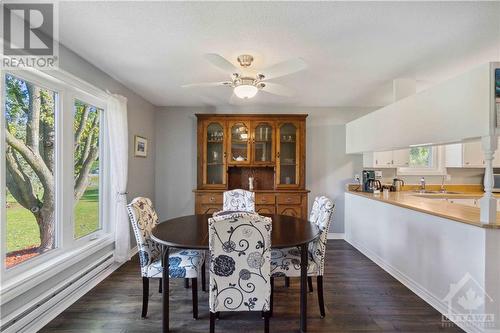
(278, 154)
(376, 162)
(224, 154)
(263, 200)
(212, 199)
(288, 199)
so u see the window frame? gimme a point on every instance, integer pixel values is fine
(438, 168)
(68, 88)
(88, 99)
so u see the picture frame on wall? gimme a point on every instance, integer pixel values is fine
(140, 146)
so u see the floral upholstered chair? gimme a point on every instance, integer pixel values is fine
(184, 264)
(239, 200)
(286, 262)
(240, 245)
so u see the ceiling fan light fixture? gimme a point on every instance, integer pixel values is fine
(245, 91)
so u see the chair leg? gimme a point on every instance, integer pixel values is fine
(159, 287)
(212, 322)
(194, 288)
(287, 282)
(321, 301)
(186, 283)
(203, 278)
(310, 283)
(266, 321)
(271, 302)
(145, 296)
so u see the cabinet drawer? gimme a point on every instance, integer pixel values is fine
(209, 209)
(210, 198)
(265, 199)
(294, 211)
(289, 199)
(265, 209)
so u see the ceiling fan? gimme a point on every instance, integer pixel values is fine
(247, 82)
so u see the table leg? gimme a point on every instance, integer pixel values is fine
(303, 287)
(166, 291)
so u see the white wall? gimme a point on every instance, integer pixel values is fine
(427, 253)
(328, 168)
(420, 119)
(141, 115)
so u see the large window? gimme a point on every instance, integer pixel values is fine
(425, 160)
(421, 157)
(30, 120)
(86, 172)
(51, 169)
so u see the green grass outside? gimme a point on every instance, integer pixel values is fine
(22, 229)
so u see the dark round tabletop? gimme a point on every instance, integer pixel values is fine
(191, 231)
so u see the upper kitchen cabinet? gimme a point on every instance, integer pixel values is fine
(464, 155)
(288, 154)
(401, 157)
(263, 144)
(214, 154)
(235, 147)
(239, 142)
(387, 159)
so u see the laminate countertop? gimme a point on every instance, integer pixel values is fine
(427, 203)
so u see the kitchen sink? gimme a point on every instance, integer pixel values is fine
(435, 192)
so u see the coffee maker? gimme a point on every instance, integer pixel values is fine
(370, 183)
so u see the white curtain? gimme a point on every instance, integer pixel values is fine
(118, 164)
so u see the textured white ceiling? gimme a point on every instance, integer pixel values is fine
(354, 49)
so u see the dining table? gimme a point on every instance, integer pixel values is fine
(191, 232)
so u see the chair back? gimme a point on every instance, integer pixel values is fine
(240, 256)
(143, 219)
(239, 200)
(321, 215)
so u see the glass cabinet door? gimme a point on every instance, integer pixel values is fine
(263, 147)
(288, 154)
(215, 156)
(239, 143)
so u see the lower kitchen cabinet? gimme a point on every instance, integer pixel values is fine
(292, 203)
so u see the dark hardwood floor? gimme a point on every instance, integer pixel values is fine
(359, 296)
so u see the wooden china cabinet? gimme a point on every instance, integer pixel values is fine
(268, 147)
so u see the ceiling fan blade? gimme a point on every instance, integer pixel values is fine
(284, 68)
(277, 89)
(206, 84)
(221, 63)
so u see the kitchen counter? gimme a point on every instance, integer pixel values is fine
(427, 203)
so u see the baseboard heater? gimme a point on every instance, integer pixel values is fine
(49, 306)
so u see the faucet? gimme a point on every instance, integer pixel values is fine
(422, 184)
(442, 189)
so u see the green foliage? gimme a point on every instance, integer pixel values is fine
(90, 131)
(30, 113)
(420, 157)
(22, 230)
(16, 106)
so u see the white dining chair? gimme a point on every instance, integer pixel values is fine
(239, 200)
(185, 264)
(239, 245)
(286, 262)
